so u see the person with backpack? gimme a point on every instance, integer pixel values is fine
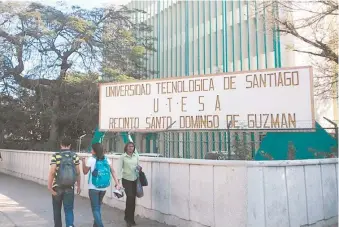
(63, 174)
(99, 179)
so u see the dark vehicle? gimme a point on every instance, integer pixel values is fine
(153, 155)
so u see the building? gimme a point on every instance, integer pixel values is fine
(206, 37)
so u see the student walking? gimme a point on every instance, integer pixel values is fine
(127, 173)
(64, 172)
(100, 169)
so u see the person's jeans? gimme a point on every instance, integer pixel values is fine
(96, 198)
(65, 197)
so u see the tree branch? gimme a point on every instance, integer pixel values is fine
(326, 50)
(309, 52)
(12, 39)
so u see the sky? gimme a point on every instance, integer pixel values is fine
(83, 3)
(88, 4)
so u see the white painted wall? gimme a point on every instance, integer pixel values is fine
(217, 193)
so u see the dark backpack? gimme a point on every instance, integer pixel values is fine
(66, 175)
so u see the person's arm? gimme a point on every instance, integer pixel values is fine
(77, 167)
(85, 166)
(120, 168)
(114, 175)
(51, 175)
(78, 179)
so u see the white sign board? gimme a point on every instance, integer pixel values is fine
(266, 99)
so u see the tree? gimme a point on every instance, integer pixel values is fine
(314, 25)
(42, 49)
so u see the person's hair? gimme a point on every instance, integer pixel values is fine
(98, 150)
(65, 142)
(126, 145)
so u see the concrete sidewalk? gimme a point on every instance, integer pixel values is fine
(27, 204)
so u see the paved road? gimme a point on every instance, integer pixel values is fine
(27, 204)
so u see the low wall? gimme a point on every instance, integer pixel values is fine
(217, 193)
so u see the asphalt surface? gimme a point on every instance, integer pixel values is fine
(27, 204)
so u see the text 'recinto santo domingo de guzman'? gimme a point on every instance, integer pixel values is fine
(161, 101)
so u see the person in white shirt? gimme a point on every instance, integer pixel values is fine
(96, 193)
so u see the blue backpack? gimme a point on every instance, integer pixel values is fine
(101, 175)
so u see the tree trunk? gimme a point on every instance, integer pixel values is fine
(2, 138)
(57, 88)
(54, 130)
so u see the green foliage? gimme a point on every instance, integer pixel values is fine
(113, 75)
(128, 36)
(78, 24)
(124, 78)
(62, 50)
(138, 51)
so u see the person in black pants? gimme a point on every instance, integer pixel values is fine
(130, 189)
(127, 173)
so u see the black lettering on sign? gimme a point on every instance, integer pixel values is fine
(269, 121)
(183, 104)
(156, 105)
(232, 120)
(217, 104)
(182, 86)
(124, 123)
(169, 104)
(229, 82)
(158, 122)
(128, 90)
(199, 122)
(273, 79)
(201, 102)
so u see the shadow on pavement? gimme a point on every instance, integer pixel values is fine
(25, 204)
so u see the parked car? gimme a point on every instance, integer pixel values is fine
(153, 155)
(114, 153)
(219, 155)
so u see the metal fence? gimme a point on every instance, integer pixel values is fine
(234, 145)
